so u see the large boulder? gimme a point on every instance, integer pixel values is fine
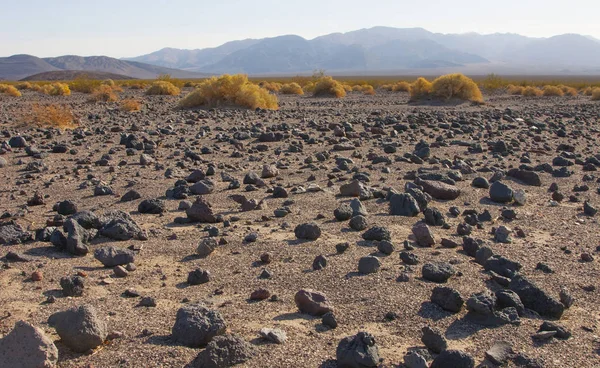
(438, 272)
(308, 231)
(12, 233)
(196, 325)
(27, 346)
(453, 359)
(111, 256)
(118, 225)
(79, 328)
(312, 302)
(439, 190)
(223, 352)
(404, 204)
(501, 193)
(534, 298)
(201, 211)
(359, 351)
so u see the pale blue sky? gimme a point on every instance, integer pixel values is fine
(134, 27)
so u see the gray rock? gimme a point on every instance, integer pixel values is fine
(438, 272)
(111, 256)
(423, 235)
(131, 195)
(369, 264)
(72, 286)
(202, 187)
(196, 325)
(198, 277)
(526, 176)
(329, 320)
(206, 247)
(312, 302)
(502, 266)
(404, 205)
(358, 209)
(118, 225)
(308, 231)
(502, 234)
(223, 352)
(483, 254)
(439, 190)
(480, 182)
(319, 263)
(447, 298)
(343, 212)
(359, 351)
(535, 298)
(499, 353)
(153, 206)
(434, 217)
(413, 359)
(385, 247)
(482, 303)
(358, 223)
(76, 238)
(274, 335)
(409, 258)
(201, 211)
(26, 346)
(12, 233)
(453, 359)
(501, 193)
(510, 299)
(356, 189)
(103, 190)
(377, 233)
(66, 208)
(79, 328)
(434, 340)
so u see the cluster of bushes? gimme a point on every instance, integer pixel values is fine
(271, 86)
(401, 86)
(595, 94)
(56, 89)
(547, 90)
(56, 116)
(230, 90)
(291, 89)
(163, 88)
(7, 89)
(367, 89)
(328, 87)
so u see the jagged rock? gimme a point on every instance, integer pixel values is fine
(312, 302)
(438, 272)
(308, 231)
(404, 205)
(196, 325)
(535, 298)
(111, 256)
(79, 328)
(12, 233)
(359, 351)
(26, 346)
(447, 298)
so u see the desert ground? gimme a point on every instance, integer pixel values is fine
(379, 144)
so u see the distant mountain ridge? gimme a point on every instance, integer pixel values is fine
(17, 67)
(387, 49)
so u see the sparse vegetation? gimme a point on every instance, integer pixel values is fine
(24, 85)
(421, 88)
(56, 89)
(596, 94)
(163, 88)
(7, 89)
(569, 91)
(291, 89)
(493, 82)
(104, 93)
(53, 115)
(271, 86)
(131, 105)
(587, 91)
(84, 85)
(532, 92)
(230, 90)
(327, 86)
(515, 90)
(456, 86)
(401, 86)
(552, 91)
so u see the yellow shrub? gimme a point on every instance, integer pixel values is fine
(420, 88)
(108, 82)
(291, 89)
(456, 86)
(131, 104)
(327, 86)
(9, 90)
(387, 87)
(58, 116)
(348, 88)
(309, 87)
(163, 88)
(24, 85)
(569, 91)
(368, 90)
(139, 85)
(230, 90)
(104, 93)
(515, 90)
(271, 86)
(401, 87)
(587, 91)
(552, 91)
(596, 94)
(56, 89)
(84, 85)
(532, 92)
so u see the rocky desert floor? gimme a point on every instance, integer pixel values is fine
(319, 161)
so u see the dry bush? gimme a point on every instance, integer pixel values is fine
(56, 89)
(108, 82)
(420, 88)
(569, 91)
(291, 89)
(24, 85)
(309, 87)
(271, 86)
(368, 90)
(163, 88)
(7, 89)
(515, 90)
(551, 91)
(532, 92)
(348, 88)
(456, 86)
(104, 93)
(139, 85)
(596, 94)
(387, 87)
(401, 87)
(230, 90)
(587, 91)
(130, 105)
(84, 85)
(327, 86)
(57, 116)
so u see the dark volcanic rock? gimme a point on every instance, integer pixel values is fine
(12, 233)
(312, 302)
(535, 298)
(438, 272)
(453, 359)
(111, 256)
(439, 190)
(404, 205)
(359, 351)
(223, 352)
(196, 325)
(447, 298)
(308, 231)
(501, 193)
(79, 328)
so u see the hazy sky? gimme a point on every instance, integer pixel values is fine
(134, 27)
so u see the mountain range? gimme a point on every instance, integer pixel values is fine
(382, 50)
(17, 67)
(373, 51)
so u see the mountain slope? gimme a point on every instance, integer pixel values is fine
(20, 66)
(568, 50)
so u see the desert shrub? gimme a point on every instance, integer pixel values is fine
(84, 84)
(493, 82)
(348, 88)
(420, 88)
(57, 116)
(271, 86)
(569, 91)
(387, 87)
(515, 90)
(24, 85)
(401, 87)
(130, 105)
(138, 85)
(456, 86)
(587, 91)
(56, 89)
(108, 82)
(532, 92)
(309, 87)
(327, 86)
(596, 94)
(7, 89)
(163, 88)
(550, 91)
(368, 90)
(230, 90)
(105, 93)
(291, 89)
